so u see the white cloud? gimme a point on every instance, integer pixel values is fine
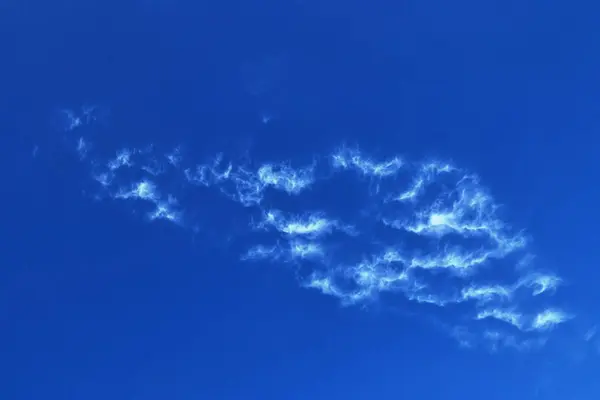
(430, 234)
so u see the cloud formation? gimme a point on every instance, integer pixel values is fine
(428, 236)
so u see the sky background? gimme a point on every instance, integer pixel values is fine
(98, 302)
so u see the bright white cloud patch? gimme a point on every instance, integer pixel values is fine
(426, 236)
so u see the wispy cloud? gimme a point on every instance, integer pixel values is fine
(430, 233)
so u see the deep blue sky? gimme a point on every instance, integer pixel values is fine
(95, 303)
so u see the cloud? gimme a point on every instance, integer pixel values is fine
(427, 236)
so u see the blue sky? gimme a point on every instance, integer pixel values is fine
(299, 200)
